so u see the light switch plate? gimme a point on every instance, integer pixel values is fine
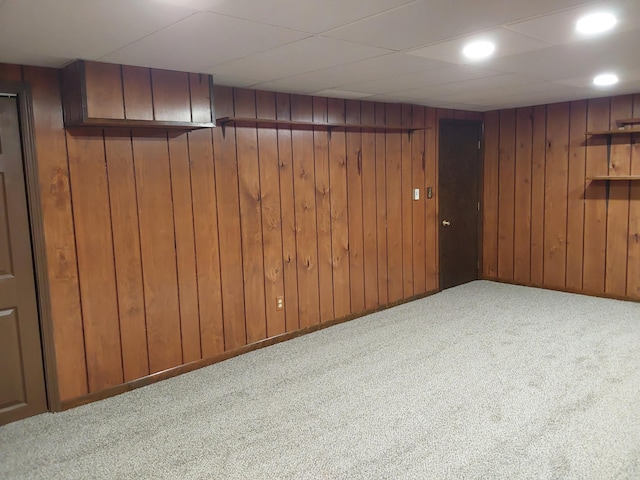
(416, 194)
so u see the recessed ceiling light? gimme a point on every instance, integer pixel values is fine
(605, 79)
(479, 50)
(596, 23)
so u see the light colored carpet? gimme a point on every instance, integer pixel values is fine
(483, 381)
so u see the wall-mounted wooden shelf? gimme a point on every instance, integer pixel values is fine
(269, 123)
(151, 124)
(622, 178)
(621, 131)
(628, 121)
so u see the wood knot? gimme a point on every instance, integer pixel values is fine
(273, 223)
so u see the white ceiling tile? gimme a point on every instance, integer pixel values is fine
(333, 93)
(231, 81)
(263, 44)
(202, 40)
(429, 21)
(559, 28)
(490, 97)
(576, 59)
(386, 98)
(307, 15)
(458, 106)
(423, 79)
(629, 83)
(466, 87)
(80, 28)
(20, 58)
(306, 55)
(356, 72)
(506, 42)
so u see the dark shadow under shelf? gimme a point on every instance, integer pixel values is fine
(295, 124)
(621, 178)
(614, 132)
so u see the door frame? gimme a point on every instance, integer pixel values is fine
(480, 177)
(36, 222)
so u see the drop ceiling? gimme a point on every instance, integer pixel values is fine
(385, 50)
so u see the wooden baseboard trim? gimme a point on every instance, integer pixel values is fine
(188, 367)
(565, 290)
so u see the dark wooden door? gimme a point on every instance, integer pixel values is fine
(458, 173)
(22, 390)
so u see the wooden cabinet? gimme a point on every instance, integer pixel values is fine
(107, 95)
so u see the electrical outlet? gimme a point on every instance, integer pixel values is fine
(429, 192)
(416, 194)
(279, 303)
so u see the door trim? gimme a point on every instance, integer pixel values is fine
(480, 181)
(36, 222)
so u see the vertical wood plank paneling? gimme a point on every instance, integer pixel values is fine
(506, 192)
(583, 232)
(60, 243)
(250, 217)
(288, 221)
(339, 212)
(185, 247)
(618, 202)
(207, 245)
(323, 205)
(103, 85)
(92, 219)
(171, 100)
(126, 249)
(394, 205)
(151, 159)
(271, 215)
(418, 159)
(537, 194)
(633, 253)
(595, 213)
(10, 72)
(555, 199)
(355, 209)
(381, 204)
(138, 100)
(522, 225)
(305, 207)
(369, 210)
(229, 224)
(576, 191)
(431, 208)
(490, 194)
(200, 97)
(406, 195)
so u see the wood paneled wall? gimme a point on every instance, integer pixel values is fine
(167, 248)
(545, 223)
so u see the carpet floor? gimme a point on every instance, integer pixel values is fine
(481, 381)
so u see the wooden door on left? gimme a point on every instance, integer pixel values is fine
(22, 386)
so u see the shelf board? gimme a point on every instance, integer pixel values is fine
(270, 123)
(614, 132)
(149, 124)
(628, 121)
(625, 178)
